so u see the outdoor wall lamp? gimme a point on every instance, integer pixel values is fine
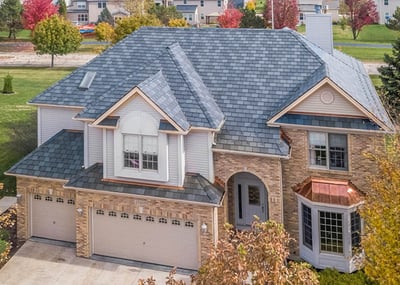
(80, 211)
(19, 196)
(50, 191)
(203, 228)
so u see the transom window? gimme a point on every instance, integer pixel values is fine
(307, 226)
(60, 200)
(37, 197)
(176, 222)
(71, 202)
(141, 152)
(125, 215)
(137, 217)
(328, 150)
(99, 212)
(48, 198)
(112, 214)
(331, 232)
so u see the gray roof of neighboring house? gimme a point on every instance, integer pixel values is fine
(186, 8)
(195, 188)
(240, 77)
(61, 157)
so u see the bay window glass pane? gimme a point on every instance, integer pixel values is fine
(131, 143)
(331, 232)
(307, 226)
(337, 151)
(318, 154)
(150, 145)
(355, 229)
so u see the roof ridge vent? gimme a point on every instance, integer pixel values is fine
(87, 80)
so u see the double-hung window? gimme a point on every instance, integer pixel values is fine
(141, 152)
(307, 227)
(101, 5)
(328, 150)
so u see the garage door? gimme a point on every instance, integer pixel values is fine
(53, 218)
(145, 238)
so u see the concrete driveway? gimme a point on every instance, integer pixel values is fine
(38, 263)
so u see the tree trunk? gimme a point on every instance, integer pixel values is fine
(52, 60)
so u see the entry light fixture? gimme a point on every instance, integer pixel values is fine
(80, 211)
(19, 196)
(204, 228)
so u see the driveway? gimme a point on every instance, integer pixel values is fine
(39, 263)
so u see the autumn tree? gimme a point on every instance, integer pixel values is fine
(390, 77)
(230, 18)
(36, 10)
(394, 21)
(177, 23)
(138, 7)
(286, 14)
(165, 14)
(10, 16)
(56, 36)
(360, 14)
(128, 25)
(104, 32)
(380, 212)
(259, 254)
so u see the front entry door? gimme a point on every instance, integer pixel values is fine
(250, 199)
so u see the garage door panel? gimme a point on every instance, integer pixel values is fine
(151, 241)
(53, 218)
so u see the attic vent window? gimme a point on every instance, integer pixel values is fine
(87, 80)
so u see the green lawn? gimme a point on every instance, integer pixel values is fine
(27, 83)
(365, 53)
(376, 80)
(23, 35)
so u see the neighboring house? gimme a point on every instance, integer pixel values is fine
(386, 9)
(189, 13)
(318, 6)
(145, 152)
(208, 10)
(84, 12)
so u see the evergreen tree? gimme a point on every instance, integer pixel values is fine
(105, 16)
(251, 20)
(390, 76)
(165, 14)
(10, 16)
(8, 89)
(62, 8)
(394, 22)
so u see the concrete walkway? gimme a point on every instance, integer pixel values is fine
(32, 59)
(38, 263)
(6, 202)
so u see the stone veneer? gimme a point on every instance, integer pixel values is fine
(110, 201)
(296, 170)
(267, 169)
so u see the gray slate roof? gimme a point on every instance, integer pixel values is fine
(61, 157)
(196, 187)
(241, 76)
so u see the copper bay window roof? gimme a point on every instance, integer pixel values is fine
(329, 191)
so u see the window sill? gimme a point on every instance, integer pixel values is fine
(330, 171)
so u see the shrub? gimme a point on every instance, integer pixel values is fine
(4, 235)
(8, 89)
(5, 248)
(331, 276)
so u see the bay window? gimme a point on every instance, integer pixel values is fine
(331, 231)
(328, 150)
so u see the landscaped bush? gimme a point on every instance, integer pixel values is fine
(333, 277)
(5, 248)
(8, 89)
(4, 235)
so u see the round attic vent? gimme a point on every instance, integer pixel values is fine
(327, 97)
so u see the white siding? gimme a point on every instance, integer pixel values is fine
(198, 151)
(339, 106)
(109, 163)
(173, 159)
(136, 104)
(95, 145)
(52, 120)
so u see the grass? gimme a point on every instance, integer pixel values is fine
(23, 35)
(375, 80)
(27, 83)
(365, 53)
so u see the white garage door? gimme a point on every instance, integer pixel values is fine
(53, 218)
(145, 238)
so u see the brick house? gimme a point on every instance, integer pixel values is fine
(145, 152)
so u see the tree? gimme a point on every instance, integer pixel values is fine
(138, 7)
(104, 32)
(165, 14)
(286, 14)
(56, 36)
(390, 76)
(394, 21)
(380, 212)
(7, 87)
(259, 254)
(10, 16)
(361, 13)
(128, 25)
(230, 18)
(62, 8)
(36, 10)
(178, 23)
(106, 17)
(250, 19)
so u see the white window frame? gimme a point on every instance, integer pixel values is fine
(81, 5)
(219, 3)
(83, 18)
(140, 165)
(314, 255)
(141, 124)
(316, 161)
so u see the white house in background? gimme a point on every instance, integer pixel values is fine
(190, 13)
(318, 6)
(386, 9)
(208, 10)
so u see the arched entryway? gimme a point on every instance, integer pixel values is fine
(247, 197)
